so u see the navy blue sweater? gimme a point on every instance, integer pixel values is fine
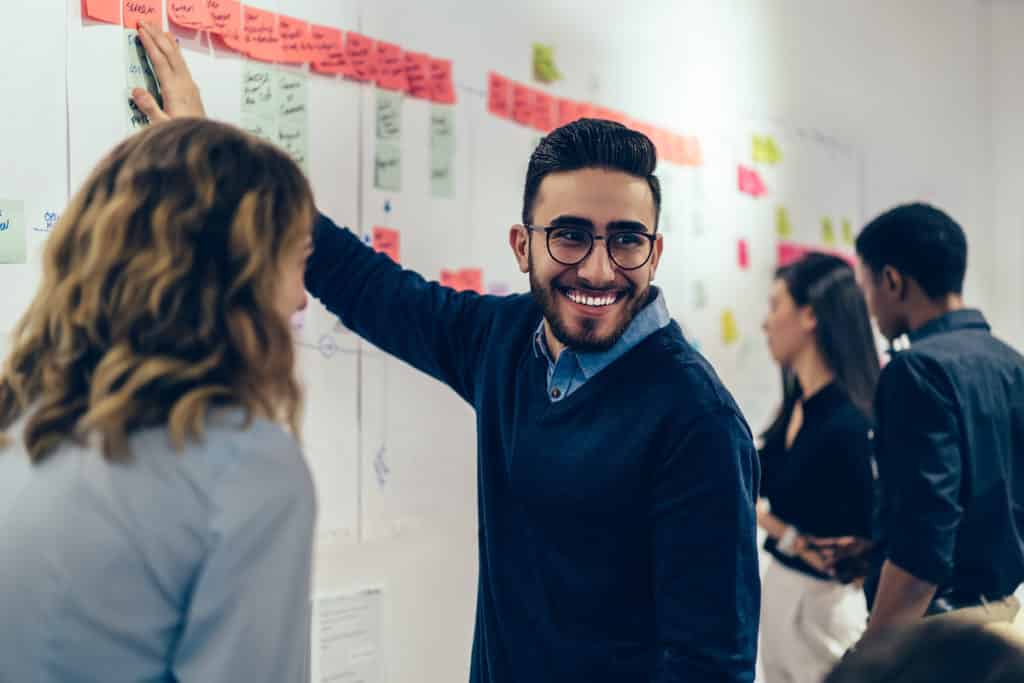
(617, 527)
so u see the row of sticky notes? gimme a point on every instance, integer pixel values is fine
(466, 279)
(539, 110)
(271, 37)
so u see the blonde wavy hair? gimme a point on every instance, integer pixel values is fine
(157, 300)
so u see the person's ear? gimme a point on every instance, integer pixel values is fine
(519, 241)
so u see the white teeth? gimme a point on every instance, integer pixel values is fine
(594, 301)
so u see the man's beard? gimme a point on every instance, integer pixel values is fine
(586, 339)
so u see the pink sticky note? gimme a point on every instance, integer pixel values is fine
(450, 278)
(327, 50)
(604, 113)
(749, 182)
(226, 17)
(417, 73)
(568, 111)
(107, 11)
(296, 45)
(362, 55)
(191, 14)
(387, 241)
(442, 84)
(391, 67)
(471, 279)
(260, 36)
(743, 255)
(586, 110)
(543, 112)
(499, 95)
(141, 10)
(522, 104)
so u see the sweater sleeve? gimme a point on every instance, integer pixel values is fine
(435, 329)
(706, 583)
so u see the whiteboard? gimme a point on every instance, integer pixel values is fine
(392, 451)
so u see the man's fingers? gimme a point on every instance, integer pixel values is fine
(148, 105)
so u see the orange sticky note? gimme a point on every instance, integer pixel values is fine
(499, 94)
(259, 33)
(327, 50)
(391, 67)
(692, 155)
(568, 111)
(543, 112)
(296, 46)
(141, 10)
(108, 11)
(604, 113)
(586, 110)
(191, 14)
(441, 83)
(387, 241)
(226, 18)
(471, 279)
(417, 73)
(362, 56)
(522, 104)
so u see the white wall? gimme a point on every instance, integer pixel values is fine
(924, 89)
(1006, 152)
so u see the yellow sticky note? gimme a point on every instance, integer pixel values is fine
(766, 150)
(783, 228)
(847, 231)
(730, 330)
(828, 232)
(544, 69)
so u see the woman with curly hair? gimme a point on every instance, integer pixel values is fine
(156, 513)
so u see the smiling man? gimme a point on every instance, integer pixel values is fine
(617, 478)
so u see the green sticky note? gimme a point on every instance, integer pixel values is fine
(442, 130)
(293, 116)
(783, 228)
(544, 68)
(442, 177)
(389, 116)
(139, 74)
(828, 232)
(847, 231)
(292, 93)
(263, 127)
(12, 232)
(258, 91)
(387, 167)
(765, 150)
(293, 137)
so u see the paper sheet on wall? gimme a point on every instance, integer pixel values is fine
(293, 115)
(442, 151)
(12, 232)
(387, 173)
(259, 103)
(138, 74)
(346, 637)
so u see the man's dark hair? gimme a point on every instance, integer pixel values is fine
(921, 242)
(592, 143)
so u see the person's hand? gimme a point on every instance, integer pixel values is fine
(814, 557)
(180, 93)
(847, 557)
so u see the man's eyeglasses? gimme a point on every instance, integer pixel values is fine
(570, 246)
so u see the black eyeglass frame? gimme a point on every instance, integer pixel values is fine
(547, 230)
